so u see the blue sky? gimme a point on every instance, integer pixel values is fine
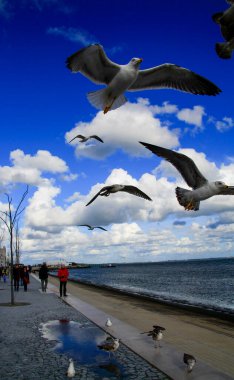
(43, 105)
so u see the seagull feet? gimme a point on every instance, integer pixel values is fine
(190, 206)
(107, 108)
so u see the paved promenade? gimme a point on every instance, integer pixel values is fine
(26, 355)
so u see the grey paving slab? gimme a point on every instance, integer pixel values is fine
(26, 355)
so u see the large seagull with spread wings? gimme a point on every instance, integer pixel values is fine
(93, 63)
(202, 188)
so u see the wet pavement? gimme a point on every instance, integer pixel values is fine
(36, 341)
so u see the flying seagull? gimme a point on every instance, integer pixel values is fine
(202, 188)
(190, 361)
(93, 63)
(107, 190)
(226, 21)
(84, 139)
(156, 334)
(91, 227)
(109, 345)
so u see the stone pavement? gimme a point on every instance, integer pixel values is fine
(26, 355)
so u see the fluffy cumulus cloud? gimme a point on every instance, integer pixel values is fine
(123, 129)
(222, 125)
(192, 116)
(28, 169)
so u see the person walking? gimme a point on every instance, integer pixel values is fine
(63, 275)
(16, 276)
(43, 275)
(26, 279)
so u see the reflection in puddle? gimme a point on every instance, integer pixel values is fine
(79, 341)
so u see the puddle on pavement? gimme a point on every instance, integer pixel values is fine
(79, 341)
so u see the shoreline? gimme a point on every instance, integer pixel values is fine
(194, 309)
(208, 338)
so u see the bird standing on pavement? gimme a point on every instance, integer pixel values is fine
(71, 369)
(108, 323)
(93, 63)
(156, 334)
(109, 345)
(190, 361)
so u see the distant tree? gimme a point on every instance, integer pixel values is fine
(10, 218)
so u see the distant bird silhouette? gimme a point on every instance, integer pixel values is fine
(190, 361)
(91, 227)
(93, 63)
(202, 188)
(108, 323)
(107, 190)
(84, 139)
(156, 334)
(71, 369)
(109, 345)
(226, 21)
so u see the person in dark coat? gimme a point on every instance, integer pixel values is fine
(43, 275)
(16, 276)
(21, 269)
(26, 279)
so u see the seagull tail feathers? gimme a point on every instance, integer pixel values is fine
(100, 99)
(223, 50)
(184, 199)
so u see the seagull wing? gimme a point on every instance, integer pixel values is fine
(78, 136)
(228, 191)
(96, 137)
(95, 196)
(93, 63)
(135, 191)
(182, 163)
(84, 225)
(101, 228)
(173, 76)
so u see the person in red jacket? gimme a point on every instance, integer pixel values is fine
(63, 275)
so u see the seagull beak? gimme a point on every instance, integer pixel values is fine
(140, 60)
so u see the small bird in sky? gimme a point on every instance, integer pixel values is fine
(109, 345)
(107, 190)
(71, 369)
(226, 22)
(108, 322)
(84, 139)
(156, 334)
(190, 361)
(93, 63)
(91, 227)
(202, 188)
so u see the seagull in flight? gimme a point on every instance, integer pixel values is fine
(107, 190)
(93, 63)
(202, 188)
(226, 22)
(91, 227)
(84, 139)
(190, 361)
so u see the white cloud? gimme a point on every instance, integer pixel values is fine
(28, 169)
(74, 35)
(192, 116)
(123, 129)
(223, 125)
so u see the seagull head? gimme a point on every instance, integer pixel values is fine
(135, 62)
(220, 185)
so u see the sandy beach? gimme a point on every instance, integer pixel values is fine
(208, 338)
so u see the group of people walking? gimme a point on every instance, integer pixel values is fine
(20, 277)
